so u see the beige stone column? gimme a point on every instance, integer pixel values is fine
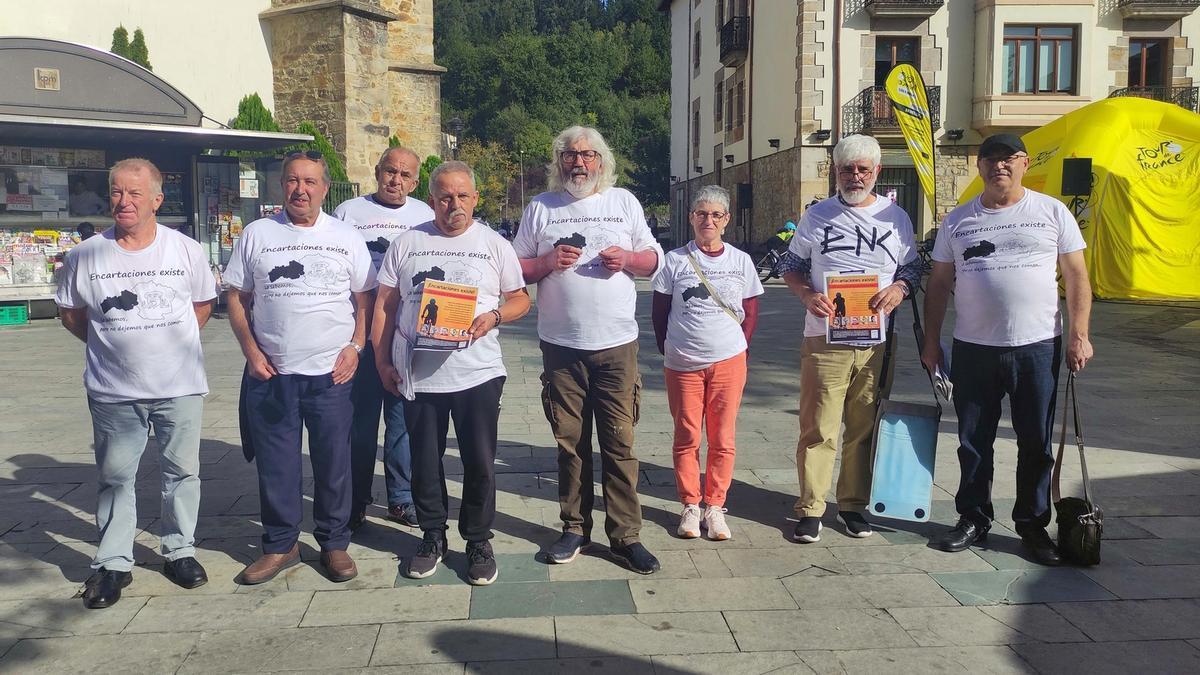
(414, 81)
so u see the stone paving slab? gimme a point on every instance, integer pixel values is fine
(1134, 619)
(424, 603)
(1021, 586)
(62, 617)
(981, 626)
(867, 590)
(755, 663)
(643, 634)
(148, 653)
(626, 665)
(698, 595)
(1141, 583)
(1115, 658)
(768, 630)
(289, 649)
(905, 661)
(184, 613)
(465, 640)
(552, 598)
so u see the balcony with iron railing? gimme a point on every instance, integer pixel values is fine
(871, 111)
(1184, 97)
(1156, 9)
(903, 8)
(735, 41)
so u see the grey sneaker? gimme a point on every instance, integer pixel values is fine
(482, 568)
(429, 554)
(566, 548)
(689, 521)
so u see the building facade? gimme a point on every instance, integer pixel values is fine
(761, 90)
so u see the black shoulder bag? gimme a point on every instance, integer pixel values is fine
(1080, 521)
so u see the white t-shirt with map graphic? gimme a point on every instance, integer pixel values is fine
(1006, 263)
(587, 306)
(699, 332)
(301, 279)
(478, 257)
(379, 224)
(143, 338)
(874, 239)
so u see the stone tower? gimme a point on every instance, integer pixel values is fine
(362, 70)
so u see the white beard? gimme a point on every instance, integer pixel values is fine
(581, 190)
(855, 197)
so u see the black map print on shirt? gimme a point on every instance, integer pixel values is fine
(126, 301)
(577, 240)
(436, 273)
(699, 292)
(292, 270)
(380, 245)
(981, 250)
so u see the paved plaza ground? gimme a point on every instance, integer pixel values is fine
(759, 603)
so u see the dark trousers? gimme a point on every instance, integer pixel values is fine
(578, 385)
(368, 396)
(982, 375)
(476, 413)
(277, 410)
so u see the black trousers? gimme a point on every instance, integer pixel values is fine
(476, 413)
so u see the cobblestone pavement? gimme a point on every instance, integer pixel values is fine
(757, 603)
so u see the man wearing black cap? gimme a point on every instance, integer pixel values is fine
(1000, 253)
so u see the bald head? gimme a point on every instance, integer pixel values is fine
(397, 174)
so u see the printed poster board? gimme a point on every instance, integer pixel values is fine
(852, 321)
(445, 315)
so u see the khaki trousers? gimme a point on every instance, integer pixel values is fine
(838, 383)
(577, 385)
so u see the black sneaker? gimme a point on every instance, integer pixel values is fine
(429, 554)
(808, 530)
(856, 524)
(405, 514)
(637, 558)
(481, 569)
(1039, 543)
(567, 548)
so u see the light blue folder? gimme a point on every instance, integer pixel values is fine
(905, 451)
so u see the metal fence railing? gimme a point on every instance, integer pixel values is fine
(339, 191)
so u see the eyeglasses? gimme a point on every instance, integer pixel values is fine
(311, 154)
(589, 156)
(1009, 161)
(855, 171)
(715, 215)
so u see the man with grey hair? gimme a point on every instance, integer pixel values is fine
(583, 242)
(380, 218)
(855, 231)
(137, 296)
(299, 299)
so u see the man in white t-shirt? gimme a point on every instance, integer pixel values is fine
(1000, 253)
(463, 384)
(138, 296)
(583, 242)
(299, 302)
(380, 218)
(854, 232)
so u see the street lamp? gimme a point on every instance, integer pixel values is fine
(456, 125)
(521, 156)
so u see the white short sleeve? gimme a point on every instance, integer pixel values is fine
(238, 272)
(67, 296)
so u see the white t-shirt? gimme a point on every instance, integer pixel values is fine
(873, 239)
(587, 306)
(143, 338)
(1005, 263)
(301, 279)
(379, 224)
(699, 332)
(478, 257)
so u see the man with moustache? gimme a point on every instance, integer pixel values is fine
(380, 218)
(583, 242)
(855, 231)
(137, 296)
(299, 301)
(463, 385)
(1001, 253)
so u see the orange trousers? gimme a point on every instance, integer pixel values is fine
(707, 399)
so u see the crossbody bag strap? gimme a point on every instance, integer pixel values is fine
(919, 334)
(1071, 404)
(712, 292)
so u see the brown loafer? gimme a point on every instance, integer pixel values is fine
(339, 565)
(268, 565)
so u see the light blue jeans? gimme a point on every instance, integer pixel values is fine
(121, 431)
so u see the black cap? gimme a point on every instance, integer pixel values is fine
(1005, 144)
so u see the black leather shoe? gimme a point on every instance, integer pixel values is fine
(637, 558)
(104, 588)
(965, 533)
(186, 572)
(1038, 542)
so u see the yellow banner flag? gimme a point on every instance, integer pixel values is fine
(906, 89)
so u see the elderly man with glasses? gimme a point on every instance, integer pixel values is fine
(854, 232)
(583, 242)
(1001, 253)
(300, 296)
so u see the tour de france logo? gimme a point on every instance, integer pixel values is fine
(1160, 155)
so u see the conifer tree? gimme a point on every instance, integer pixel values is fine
(139, 53)
(120, 42)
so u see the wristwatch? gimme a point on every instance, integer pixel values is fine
(357, 347)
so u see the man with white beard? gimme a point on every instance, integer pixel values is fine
(855, 231)
(583, 242)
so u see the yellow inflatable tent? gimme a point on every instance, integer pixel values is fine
(1142, 219)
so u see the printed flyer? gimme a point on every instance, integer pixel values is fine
(445, 315)
(852, 321)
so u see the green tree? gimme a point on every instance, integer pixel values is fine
(253, 115)
(337, 170)
(422, 190)
(494, 170)
(139, 53)
(120, 42)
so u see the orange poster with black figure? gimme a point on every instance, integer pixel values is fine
(852, 320)
(445, 316)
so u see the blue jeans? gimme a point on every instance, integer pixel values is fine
(982, 375)
(120, 431)
(368, 395)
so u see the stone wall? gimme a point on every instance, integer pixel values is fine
(366, 98)
(309, 70)
(414, 81)
(955, 169)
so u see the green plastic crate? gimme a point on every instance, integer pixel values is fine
(14, 315)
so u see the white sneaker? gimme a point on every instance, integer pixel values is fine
(689, 521)
(714, 522)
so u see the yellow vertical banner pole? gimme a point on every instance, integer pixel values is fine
(906, 90)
